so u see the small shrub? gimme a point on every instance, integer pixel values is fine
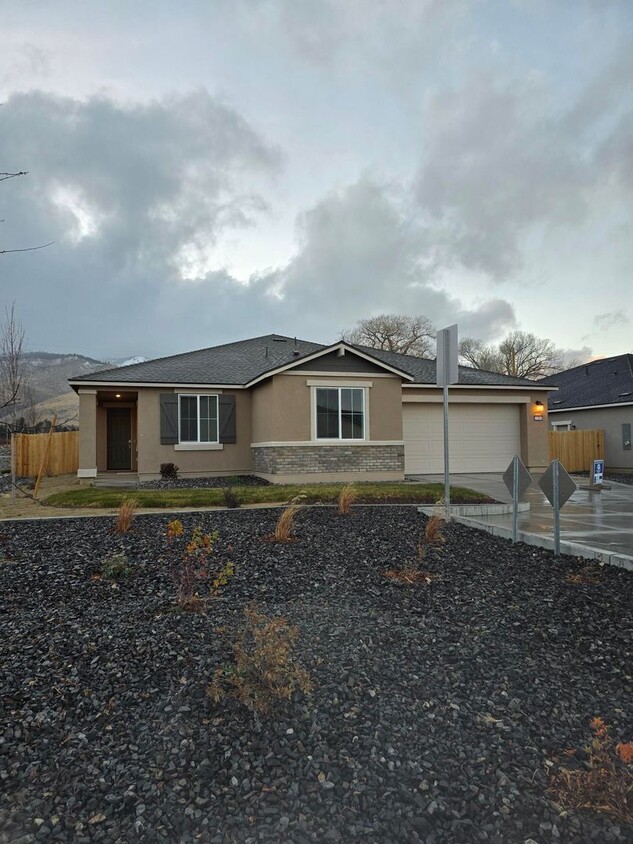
(125, 515)
(231, 498)
(265, 670)
(346, 498)
(603, 783)
(194, 566)
(169, 471)
(115, 566)
(285, 523)
(411, 571)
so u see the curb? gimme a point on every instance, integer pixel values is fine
(474, 509)
(574, 549)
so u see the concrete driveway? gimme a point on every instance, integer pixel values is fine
(599, 520)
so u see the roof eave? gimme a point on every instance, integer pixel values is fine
(325, 351)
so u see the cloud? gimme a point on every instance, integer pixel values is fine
(609, 320)
(575, 357)
(143, 183)
(361, 253)
(506, 166)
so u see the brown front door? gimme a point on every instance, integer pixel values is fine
(119, 438)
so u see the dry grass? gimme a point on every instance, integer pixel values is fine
(265, 670)
(587, 575)
(285, 524)
(125, 515)
(347, 497)
(411, 573)
(603, 784)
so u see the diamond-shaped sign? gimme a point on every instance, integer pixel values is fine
(566, 487)
(525, 479)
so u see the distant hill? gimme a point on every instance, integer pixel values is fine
(48, 375)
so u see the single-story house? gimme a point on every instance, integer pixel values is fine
(290, 410)
(597, 395)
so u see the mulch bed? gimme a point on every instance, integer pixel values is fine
(218, 482)
(437, 708)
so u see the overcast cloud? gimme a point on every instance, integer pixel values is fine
(267, 165)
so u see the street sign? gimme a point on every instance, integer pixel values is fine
(597, 472)
(558, 488)
(447, 371)
(517, 479)
(523, 477)
(566, 487)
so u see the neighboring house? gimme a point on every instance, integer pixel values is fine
(290, 410)
(597, 395)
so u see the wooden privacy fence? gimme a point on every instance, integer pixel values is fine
(62, 457)
(576, 449)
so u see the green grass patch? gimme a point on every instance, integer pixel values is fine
(368, 493)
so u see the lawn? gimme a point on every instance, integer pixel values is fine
(378, 493)
(438, 712)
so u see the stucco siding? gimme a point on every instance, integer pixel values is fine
(610, 420)
(228, 459)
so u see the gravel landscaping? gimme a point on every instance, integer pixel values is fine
(619, 477)
(436, 713)
(204, 483)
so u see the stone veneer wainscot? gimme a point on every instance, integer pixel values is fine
(298, 459)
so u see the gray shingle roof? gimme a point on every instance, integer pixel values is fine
(243, 361)
(606, 381)
(232, 363)
(423, 371)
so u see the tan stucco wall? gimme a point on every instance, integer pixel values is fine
(282, 407)
(610, 420)
(87, 427)
(533, 434)
(231, 458)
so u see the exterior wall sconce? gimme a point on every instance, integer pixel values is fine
(117, 396)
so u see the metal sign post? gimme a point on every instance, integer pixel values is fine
(517, 479)
(447, 372)
(558, 488)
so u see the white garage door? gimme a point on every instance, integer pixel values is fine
(483, 438)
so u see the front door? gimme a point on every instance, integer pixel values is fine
(119, 438)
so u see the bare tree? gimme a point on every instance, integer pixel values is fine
(476, 354)
(408, 335)
(521, 354)
(11, 359)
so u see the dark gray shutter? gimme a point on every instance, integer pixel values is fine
(168, 418)
(226, 412)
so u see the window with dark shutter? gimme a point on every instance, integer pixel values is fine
(227, 419)
(168, 418)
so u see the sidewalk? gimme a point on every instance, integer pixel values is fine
(599, 521)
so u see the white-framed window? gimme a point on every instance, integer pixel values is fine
(340, 413)
(563, 425)
(197, 418)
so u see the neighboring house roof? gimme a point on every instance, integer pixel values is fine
(247, 361)
(596, 384)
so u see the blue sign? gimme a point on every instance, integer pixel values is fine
(597, 472)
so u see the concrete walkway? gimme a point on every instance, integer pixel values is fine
(602, 521)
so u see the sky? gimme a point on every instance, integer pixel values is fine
(212, 170)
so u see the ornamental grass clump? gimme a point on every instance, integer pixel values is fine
(412, 572)
(125, 515)
(346, 498)
(196, 567)
(602, 782)
(115, 566)
(169, 471)
(285, 523)
(265, 670)
(231, 498)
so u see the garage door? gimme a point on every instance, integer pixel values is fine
(483, 438)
